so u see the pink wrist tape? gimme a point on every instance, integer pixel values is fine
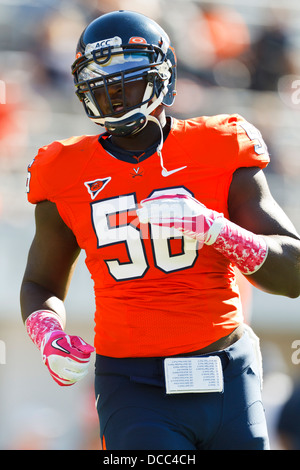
(245, 249)
(41, 322)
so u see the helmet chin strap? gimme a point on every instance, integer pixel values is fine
(133, 121)
(164, 171)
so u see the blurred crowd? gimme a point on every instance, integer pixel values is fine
(237, 56)
(231, 58)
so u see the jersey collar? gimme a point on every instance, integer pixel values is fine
(128, 155)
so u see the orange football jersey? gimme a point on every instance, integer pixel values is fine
(157, 293)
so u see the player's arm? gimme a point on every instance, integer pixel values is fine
(258, 237)
(252, 207)
(51, 261)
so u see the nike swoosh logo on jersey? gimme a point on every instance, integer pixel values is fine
(55, 345)
(166, 173)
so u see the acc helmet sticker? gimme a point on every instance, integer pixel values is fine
(115, 41)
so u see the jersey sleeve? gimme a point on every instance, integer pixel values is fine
(37, 187)
(226, 141)
(251, 148)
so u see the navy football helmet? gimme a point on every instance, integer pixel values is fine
(117, 48)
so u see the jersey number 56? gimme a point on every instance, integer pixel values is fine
(131, 236)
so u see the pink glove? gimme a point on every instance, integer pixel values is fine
(245, 249)
(66, 357)
(184, 213)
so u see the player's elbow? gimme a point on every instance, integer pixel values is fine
(292, 287)
(294, 292)
(283, 286)
(291, 294)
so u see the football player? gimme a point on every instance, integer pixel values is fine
(165, 210)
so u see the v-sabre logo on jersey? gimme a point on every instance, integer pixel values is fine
(94, 187)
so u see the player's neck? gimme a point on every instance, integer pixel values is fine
(143, 139)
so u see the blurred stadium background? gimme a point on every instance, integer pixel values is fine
(234, 56)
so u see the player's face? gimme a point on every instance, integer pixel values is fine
(134, 92)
